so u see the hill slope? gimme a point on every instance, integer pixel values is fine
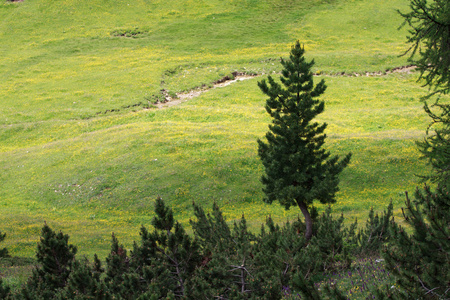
(65, 65)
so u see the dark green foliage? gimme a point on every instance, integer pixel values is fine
(241, 265)
(84, 282)
(212, 230)
(298, 171)
(421, 261)
(54, 256)
(306, 288)
(164, 216)
(166, 258)
(142, 254)
(4, 251)
(117, 264)
(220, 261)
(429, 23)
(237, 264)
(228, 267)
(309, 291)
(329, 238)
(435, 148)
(282, 249)
(429, 37)
(375, 234)
(4, 290)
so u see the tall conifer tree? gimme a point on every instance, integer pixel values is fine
(298, 170)
(421, 260)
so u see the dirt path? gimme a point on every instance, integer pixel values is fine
(183, 97)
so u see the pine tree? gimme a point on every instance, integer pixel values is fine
(420, 260)
(309, 291)
(54, 256)
(213, 278)
(435, 148)
(164, 216)
(212, 231)
(298, 171)
(4, 251)
(165, 259)
(234, 263)
(329, 239)
(84, 283)
(117, 265)
(375, 234)
(279, 253)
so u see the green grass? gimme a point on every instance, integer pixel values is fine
(15, 271)
(64, 60)
(101, 175)
(65, 161)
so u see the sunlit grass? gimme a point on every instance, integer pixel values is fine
(67, 160)
(63, 60)
(92, 177)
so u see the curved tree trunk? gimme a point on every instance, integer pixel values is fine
(308, 219)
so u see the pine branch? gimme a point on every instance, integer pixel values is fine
(428, 291)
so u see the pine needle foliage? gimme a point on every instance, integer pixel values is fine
(435, 148)
(221, 260)
(429, 36)
(84, 283)
(55, 257)
(429, 23)
(421, 260)
(298, 171)
(164, 216)
(117, 264)
(375, 234)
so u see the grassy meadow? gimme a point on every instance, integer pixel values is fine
(80, 150)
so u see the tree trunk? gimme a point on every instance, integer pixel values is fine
(308, 219)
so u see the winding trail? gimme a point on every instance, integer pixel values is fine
(183, 97)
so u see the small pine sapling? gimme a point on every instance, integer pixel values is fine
(117, 265)
(375, 234)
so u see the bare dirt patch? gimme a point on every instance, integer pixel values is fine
(183, 97)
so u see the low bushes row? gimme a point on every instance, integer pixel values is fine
(218, 261)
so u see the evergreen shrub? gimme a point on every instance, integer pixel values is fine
(219, 260)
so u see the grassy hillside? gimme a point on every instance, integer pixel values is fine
(65, 64)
